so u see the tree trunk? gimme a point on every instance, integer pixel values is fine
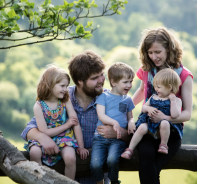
(19, 169)
(14, 165)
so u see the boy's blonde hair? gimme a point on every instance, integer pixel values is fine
(52, 75)
(118, 71)
(167, 77)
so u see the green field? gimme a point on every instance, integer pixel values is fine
(167, 176)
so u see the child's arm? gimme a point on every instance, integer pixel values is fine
(106, 120)
(175, 106)
(146, 108)
(131, 123)
(77, 130)
(42, 126)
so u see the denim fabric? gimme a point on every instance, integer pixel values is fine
(106, 150)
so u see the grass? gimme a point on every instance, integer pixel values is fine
(167, 176)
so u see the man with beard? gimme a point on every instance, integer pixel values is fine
(86, 70)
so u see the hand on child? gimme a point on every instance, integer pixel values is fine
(116, 127)
(157, 117)
(107, 131)
(72, 121)
(83, 153)
(172, 97)
(152, 111)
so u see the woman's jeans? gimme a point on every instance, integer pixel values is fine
(106, 149)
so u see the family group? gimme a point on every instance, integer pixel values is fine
(72, 119)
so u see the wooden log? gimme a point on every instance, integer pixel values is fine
(185, 158)
(19, 169)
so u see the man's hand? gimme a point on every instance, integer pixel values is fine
(50, 147)
(83, 153)
(107, 132)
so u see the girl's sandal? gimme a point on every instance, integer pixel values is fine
(127, 154)
(163, 149)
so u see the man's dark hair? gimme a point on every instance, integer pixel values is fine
(82, 66)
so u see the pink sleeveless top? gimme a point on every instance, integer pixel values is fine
(143, 75)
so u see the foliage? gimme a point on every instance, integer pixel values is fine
(53, 22)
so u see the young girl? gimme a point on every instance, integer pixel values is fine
(166, 84)
(56, 117)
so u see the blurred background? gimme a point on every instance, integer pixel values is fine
(116, 40)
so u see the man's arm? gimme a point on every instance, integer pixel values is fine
(109, 133)
(50, 147)
(32, 133)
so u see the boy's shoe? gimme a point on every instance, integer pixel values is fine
(163, 149)
(127, 154)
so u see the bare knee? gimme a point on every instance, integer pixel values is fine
(143, 128)
(69, 159)
(164, 124)
(35, 152)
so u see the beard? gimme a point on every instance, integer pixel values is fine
(91, 91)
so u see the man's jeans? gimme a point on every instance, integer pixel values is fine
(106, 149)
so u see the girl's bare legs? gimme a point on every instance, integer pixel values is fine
(140, 132)
(164, 131)
(68, 154)
(35, 154)
(137, 136)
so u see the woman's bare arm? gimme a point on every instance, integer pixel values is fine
(139, 94)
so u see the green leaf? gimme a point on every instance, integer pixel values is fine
(88, 36)
(46, 2)
(31, 5)
(11, 14)
(65, 4)
(93, 4)
(89, 24)
(118, 12)
(76, 23)
(80, 29)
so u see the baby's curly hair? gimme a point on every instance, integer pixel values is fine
(167, 77)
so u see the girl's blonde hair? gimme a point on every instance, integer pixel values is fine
(167, 40)
(167, 77)
(52, 75)
(118, 71)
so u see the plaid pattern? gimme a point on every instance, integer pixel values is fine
(88, 120)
